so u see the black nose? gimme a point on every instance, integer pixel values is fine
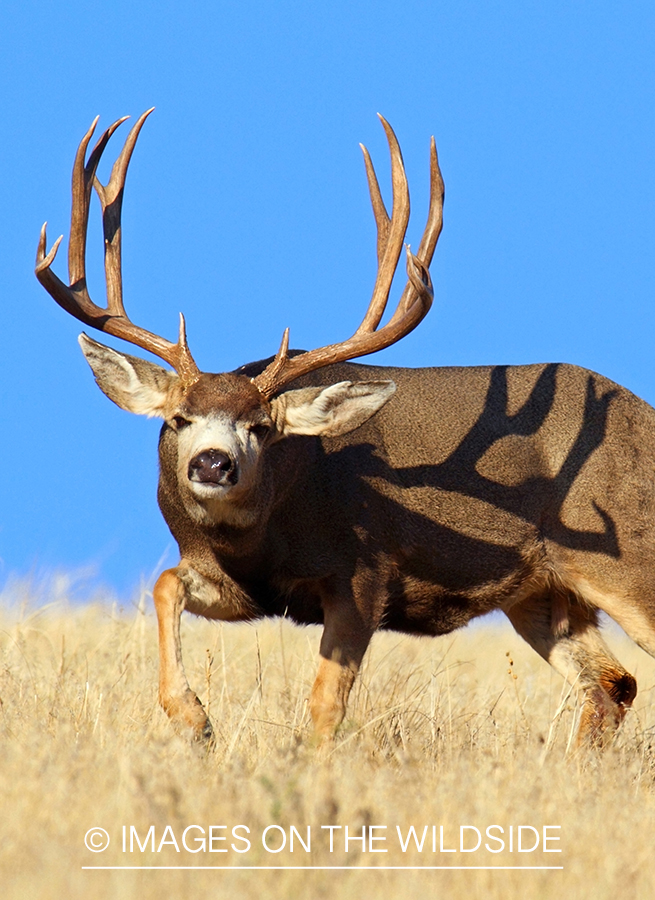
(212, 467)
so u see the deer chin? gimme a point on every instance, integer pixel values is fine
(219, 504)
(210, 492)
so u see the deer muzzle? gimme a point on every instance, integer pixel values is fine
(213, 467)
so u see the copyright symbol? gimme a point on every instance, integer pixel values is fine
(96, 840)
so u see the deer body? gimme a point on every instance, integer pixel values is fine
(364, 497)
(529, 489)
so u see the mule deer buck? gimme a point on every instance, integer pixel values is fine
(363, 497)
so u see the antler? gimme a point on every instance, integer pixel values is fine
(416, 299)
(74, 298)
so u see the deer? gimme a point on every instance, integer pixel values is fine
(361, 497)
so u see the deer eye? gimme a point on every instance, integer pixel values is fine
(260, 430)
(180, 422)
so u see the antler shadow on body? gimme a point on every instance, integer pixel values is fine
(537, 497)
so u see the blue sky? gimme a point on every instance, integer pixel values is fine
(246, 207)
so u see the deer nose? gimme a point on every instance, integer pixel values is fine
(212, 467)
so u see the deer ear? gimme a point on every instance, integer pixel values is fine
(133, 384)
(332, 410)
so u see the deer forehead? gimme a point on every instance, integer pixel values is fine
(226, 397)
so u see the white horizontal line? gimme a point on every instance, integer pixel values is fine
(324, 868)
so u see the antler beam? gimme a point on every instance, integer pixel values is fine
(74, 297)
(417, 296)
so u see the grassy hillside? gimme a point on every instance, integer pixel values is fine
(467, 730)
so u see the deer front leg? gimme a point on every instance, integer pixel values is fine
(344, 642)
(176, 697)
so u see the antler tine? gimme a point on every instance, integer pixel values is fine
(430, 235)
(391, 233)
(417, 297)
(74, 298)
(382, 219)
(83, 175)
(435, 214)
(111, 202)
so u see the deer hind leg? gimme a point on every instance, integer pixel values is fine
(565, 632)
(343, 645)
(178, 700)
(636, 619)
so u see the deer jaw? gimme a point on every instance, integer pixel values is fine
(222, 424)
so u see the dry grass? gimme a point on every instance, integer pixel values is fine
(469, 729)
